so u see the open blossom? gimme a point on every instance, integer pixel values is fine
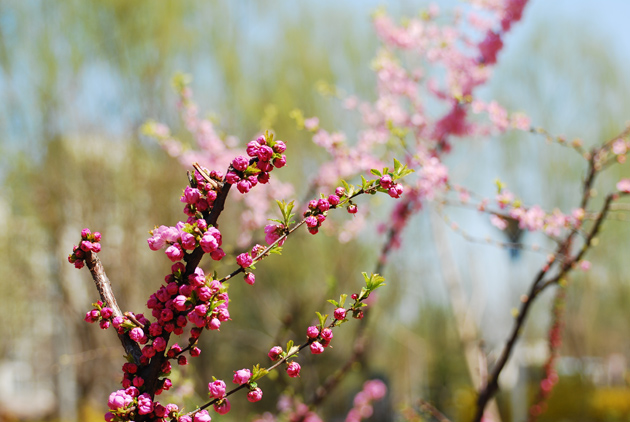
(119, 400)
(145, 405)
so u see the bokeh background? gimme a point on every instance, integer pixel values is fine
(78, 79)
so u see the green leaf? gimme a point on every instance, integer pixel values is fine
(257, 373)
(334, 302)
(397, 165)
(342, 300)
(376, 173)
(322, 319)
(364, 183)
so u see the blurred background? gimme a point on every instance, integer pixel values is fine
(78, 79)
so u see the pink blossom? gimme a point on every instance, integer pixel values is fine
(293, 369)
(240, 163)
(188, 241)
(202, 416)
(274, 353)
(255, 395)
(327, 334)
(340, 313)
(250, 278)
(312, 332)
(244, 260)
(222, 407)
(217, 255)
(241, 376)
(136, 334)
(279, 147)
(119, 400)
(174, 252)
(216, 389)
(316, 348)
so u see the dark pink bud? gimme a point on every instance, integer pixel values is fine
(195, 351)
(274, 353)
(340, 314)
(333, 200)
(293, 369)
(312, 332)
(352, 209)
(182, 360)
(316, 348)
(263, 177)
(222, 407)
(279, 147)
(280, 162)
(250, 278)
(264, 153)
(255, 395)
(240, 163)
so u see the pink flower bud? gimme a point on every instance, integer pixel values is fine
(202, 416)
(316, 348)
(280, 162)
(323, 205)
(279, 147)
(333, 200)
(145, 405)
(385, 181)
(312, 332)
(327, 334)
(217, 255)
(216, 389)
(250, 278)
(293, 369)
(244, 260)
(255, 395)
(352, 209)
(174, 252)
(222, 407)
(340, 314)
(241, 376)
(263, 177)
(85, 233)
(240, 163)
(182, 360)
(195, 351)
(274, 353)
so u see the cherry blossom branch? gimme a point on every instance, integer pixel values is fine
(104, 287)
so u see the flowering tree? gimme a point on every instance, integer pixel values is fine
(427, 74)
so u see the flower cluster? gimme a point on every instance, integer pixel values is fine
(266, 154)
(89, 243)
(101, 314)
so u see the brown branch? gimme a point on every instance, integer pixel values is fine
(104, 288)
